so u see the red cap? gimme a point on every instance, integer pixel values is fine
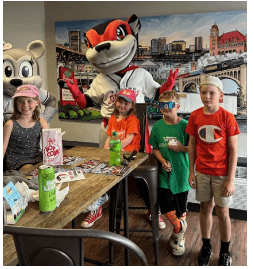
(128, 95)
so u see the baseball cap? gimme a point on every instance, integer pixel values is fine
(212, 81)
(128, 95)
(26, 90)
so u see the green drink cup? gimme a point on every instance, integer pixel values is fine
(47, 188)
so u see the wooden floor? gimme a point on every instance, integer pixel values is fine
(138, 219)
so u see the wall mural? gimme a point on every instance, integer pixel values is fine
(198, 44)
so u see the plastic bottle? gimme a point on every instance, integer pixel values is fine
(115, 150)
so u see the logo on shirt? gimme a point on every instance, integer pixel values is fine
(207, 133)
(112, 98)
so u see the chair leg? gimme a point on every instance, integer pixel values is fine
(74, 224)
(126, 222)
(119, 205)
(112, 213)
(155, 228)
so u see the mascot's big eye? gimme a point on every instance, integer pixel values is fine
(8, 69)
(121, 32)
(87, 42)
(26, 69)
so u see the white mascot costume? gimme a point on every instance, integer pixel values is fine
(20, 67)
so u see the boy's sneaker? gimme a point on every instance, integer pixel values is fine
(91, 218)
(225, 260)
(179, 249)
(162, 224)
(176, 239)
(204, 256)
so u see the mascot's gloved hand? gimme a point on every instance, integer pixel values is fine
(168, 85)
(78, 96)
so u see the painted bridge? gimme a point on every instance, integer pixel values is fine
(238, 74)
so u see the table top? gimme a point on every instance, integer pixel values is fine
(81, 194)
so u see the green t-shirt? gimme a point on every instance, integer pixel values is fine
(161, 133)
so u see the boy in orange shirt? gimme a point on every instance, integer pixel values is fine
(213, 148)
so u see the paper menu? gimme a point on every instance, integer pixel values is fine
(69, 176)
(14, 200)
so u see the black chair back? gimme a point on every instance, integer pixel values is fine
(48, 247)
(142, 116)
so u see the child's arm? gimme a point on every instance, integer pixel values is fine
(126, 141)
(44, 124)
(228, 188)
(179, 147)
(166, 165)
(106, 146)
(6, 135)
(192, 157)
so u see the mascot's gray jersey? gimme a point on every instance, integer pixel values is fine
(105, 87)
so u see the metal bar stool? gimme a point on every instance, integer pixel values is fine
(148, 172)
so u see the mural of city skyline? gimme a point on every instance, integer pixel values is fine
(198, 44)
(174, 27)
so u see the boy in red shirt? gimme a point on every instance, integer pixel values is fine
(213, 148)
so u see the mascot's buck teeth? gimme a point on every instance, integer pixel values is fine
(120, 57)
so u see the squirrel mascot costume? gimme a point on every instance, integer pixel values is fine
(21, 67)
(111, 48)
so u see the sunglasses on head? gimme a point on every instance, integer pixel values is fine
(167, 105)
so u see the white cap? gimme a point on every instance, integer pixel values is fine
(212, 81)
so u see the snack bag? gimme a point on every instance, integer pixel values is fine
(52, 146)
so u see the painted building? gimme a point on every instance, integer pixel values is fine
(226, 43)
(152, 68)
(199, 43)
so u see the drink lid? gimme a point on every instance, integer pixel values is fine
(45, 166)
(114, 133)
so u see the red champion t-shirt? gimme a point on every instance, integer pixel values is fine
(211, 133)
(129, 125)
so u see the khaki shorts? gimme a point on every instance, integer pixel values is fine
(209, 187)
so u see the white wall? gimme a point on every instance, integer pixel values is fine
(25, 22)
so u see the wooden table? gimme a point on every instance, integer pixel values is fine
(81, 194)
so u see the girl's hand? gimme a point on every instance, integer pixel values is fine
(177, 148)
(166, 166)
(192, 181)
(228, 188)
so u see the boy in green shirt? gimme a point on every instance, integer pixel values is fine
(169, 141)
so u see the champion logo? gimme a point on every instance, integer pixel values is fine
(207, 133)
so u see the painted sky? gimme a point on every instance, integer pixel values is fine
(173, 27)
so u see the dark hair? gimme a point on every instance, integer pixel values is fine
(36, 113)
(131, 111)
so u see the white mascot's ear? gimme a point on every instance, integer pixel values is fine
(37, 48)
(134, 23)
(7, 46)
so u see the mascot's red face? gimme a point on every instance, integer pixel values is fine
(112, 45)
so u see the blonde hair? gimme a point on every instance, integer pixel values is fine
(131, 111)
(169, 95)
(36, 114)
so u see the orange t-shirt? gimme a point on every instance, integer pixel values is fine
(211, 133)
(124, 127)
